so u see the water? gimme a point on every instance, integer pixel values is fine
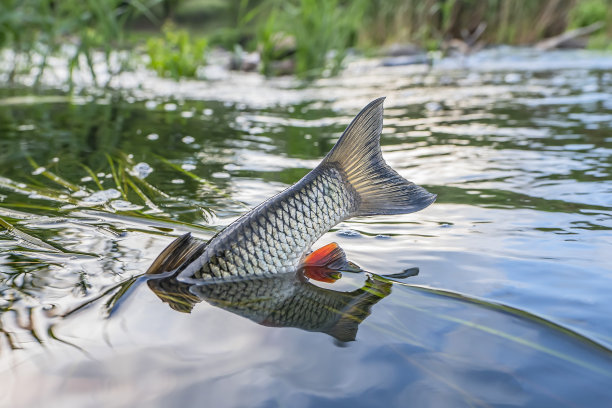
(511, 304)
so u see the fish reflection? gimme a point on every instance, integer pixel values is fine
(283, 300)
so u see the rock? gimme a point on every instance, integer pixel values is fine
(406, 60)
(401, 50)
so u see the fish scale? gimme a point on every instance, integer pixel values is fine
(273, 238)
(237, 250)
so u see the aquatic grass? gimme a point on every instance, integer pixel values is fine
(11, 207)
(45, 196)
(151, 188)
(26, 321)
(121, 288)
(36, 242)
(8, 336)
(51, 176)
(469, 399)
(193, 176)
(165, 224)
(93, 176)
(114, 302)
(124, 182)
(142, 195)
(127, 161)
(499, 333)
(116, 178)
(183, 171)
(511, 311)
(51, 334)
(30, 190)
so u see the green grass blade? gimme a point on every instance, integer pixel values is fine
(93, 176)
(53, 177)
(142, 195)
(116, 177)
(17, 233)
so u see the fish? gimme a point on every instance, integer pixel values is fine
(284, 300)
(276, 236)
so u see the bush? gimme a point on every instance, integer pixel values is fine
(588, 12)
(176, 55)
(73, 28)
(322, 31)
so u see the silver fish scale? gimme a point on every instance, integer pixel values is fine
(278, 302)
(275, 236)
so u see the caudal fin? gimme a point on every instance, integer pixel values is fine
(357, 153)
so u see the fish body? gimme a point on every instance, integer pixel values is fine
(273, 238)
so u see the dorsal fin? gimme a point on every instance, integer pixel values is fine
(182, 250)
(380, 188)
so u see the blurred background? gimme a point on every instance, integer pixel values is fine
(308, 38)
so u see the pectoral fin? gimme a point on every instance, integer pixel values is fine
(322, 274)
(326, 263)
(330, 256)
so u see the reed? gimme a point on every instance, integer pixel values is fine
(322, 31)
(176, 54)
(73, 29)
(312, 37)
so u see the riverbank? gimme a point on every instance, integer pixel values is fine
(307, 38)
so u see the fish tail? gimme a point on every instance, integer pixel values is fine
(357, 154)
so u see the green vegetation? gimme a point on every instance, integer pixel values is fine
(307, 37)
(504, 21)
(320, 31)
(176, 55)
(589, 12)
(72, 29)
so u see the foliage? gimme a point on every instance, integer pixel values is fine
(588, 12)
(505, 21)
(322, 30)
(600, 42)
(75, 29)
(306, 37)
(176, 55)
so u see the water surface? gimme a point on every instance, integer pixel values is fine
(511, 304)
